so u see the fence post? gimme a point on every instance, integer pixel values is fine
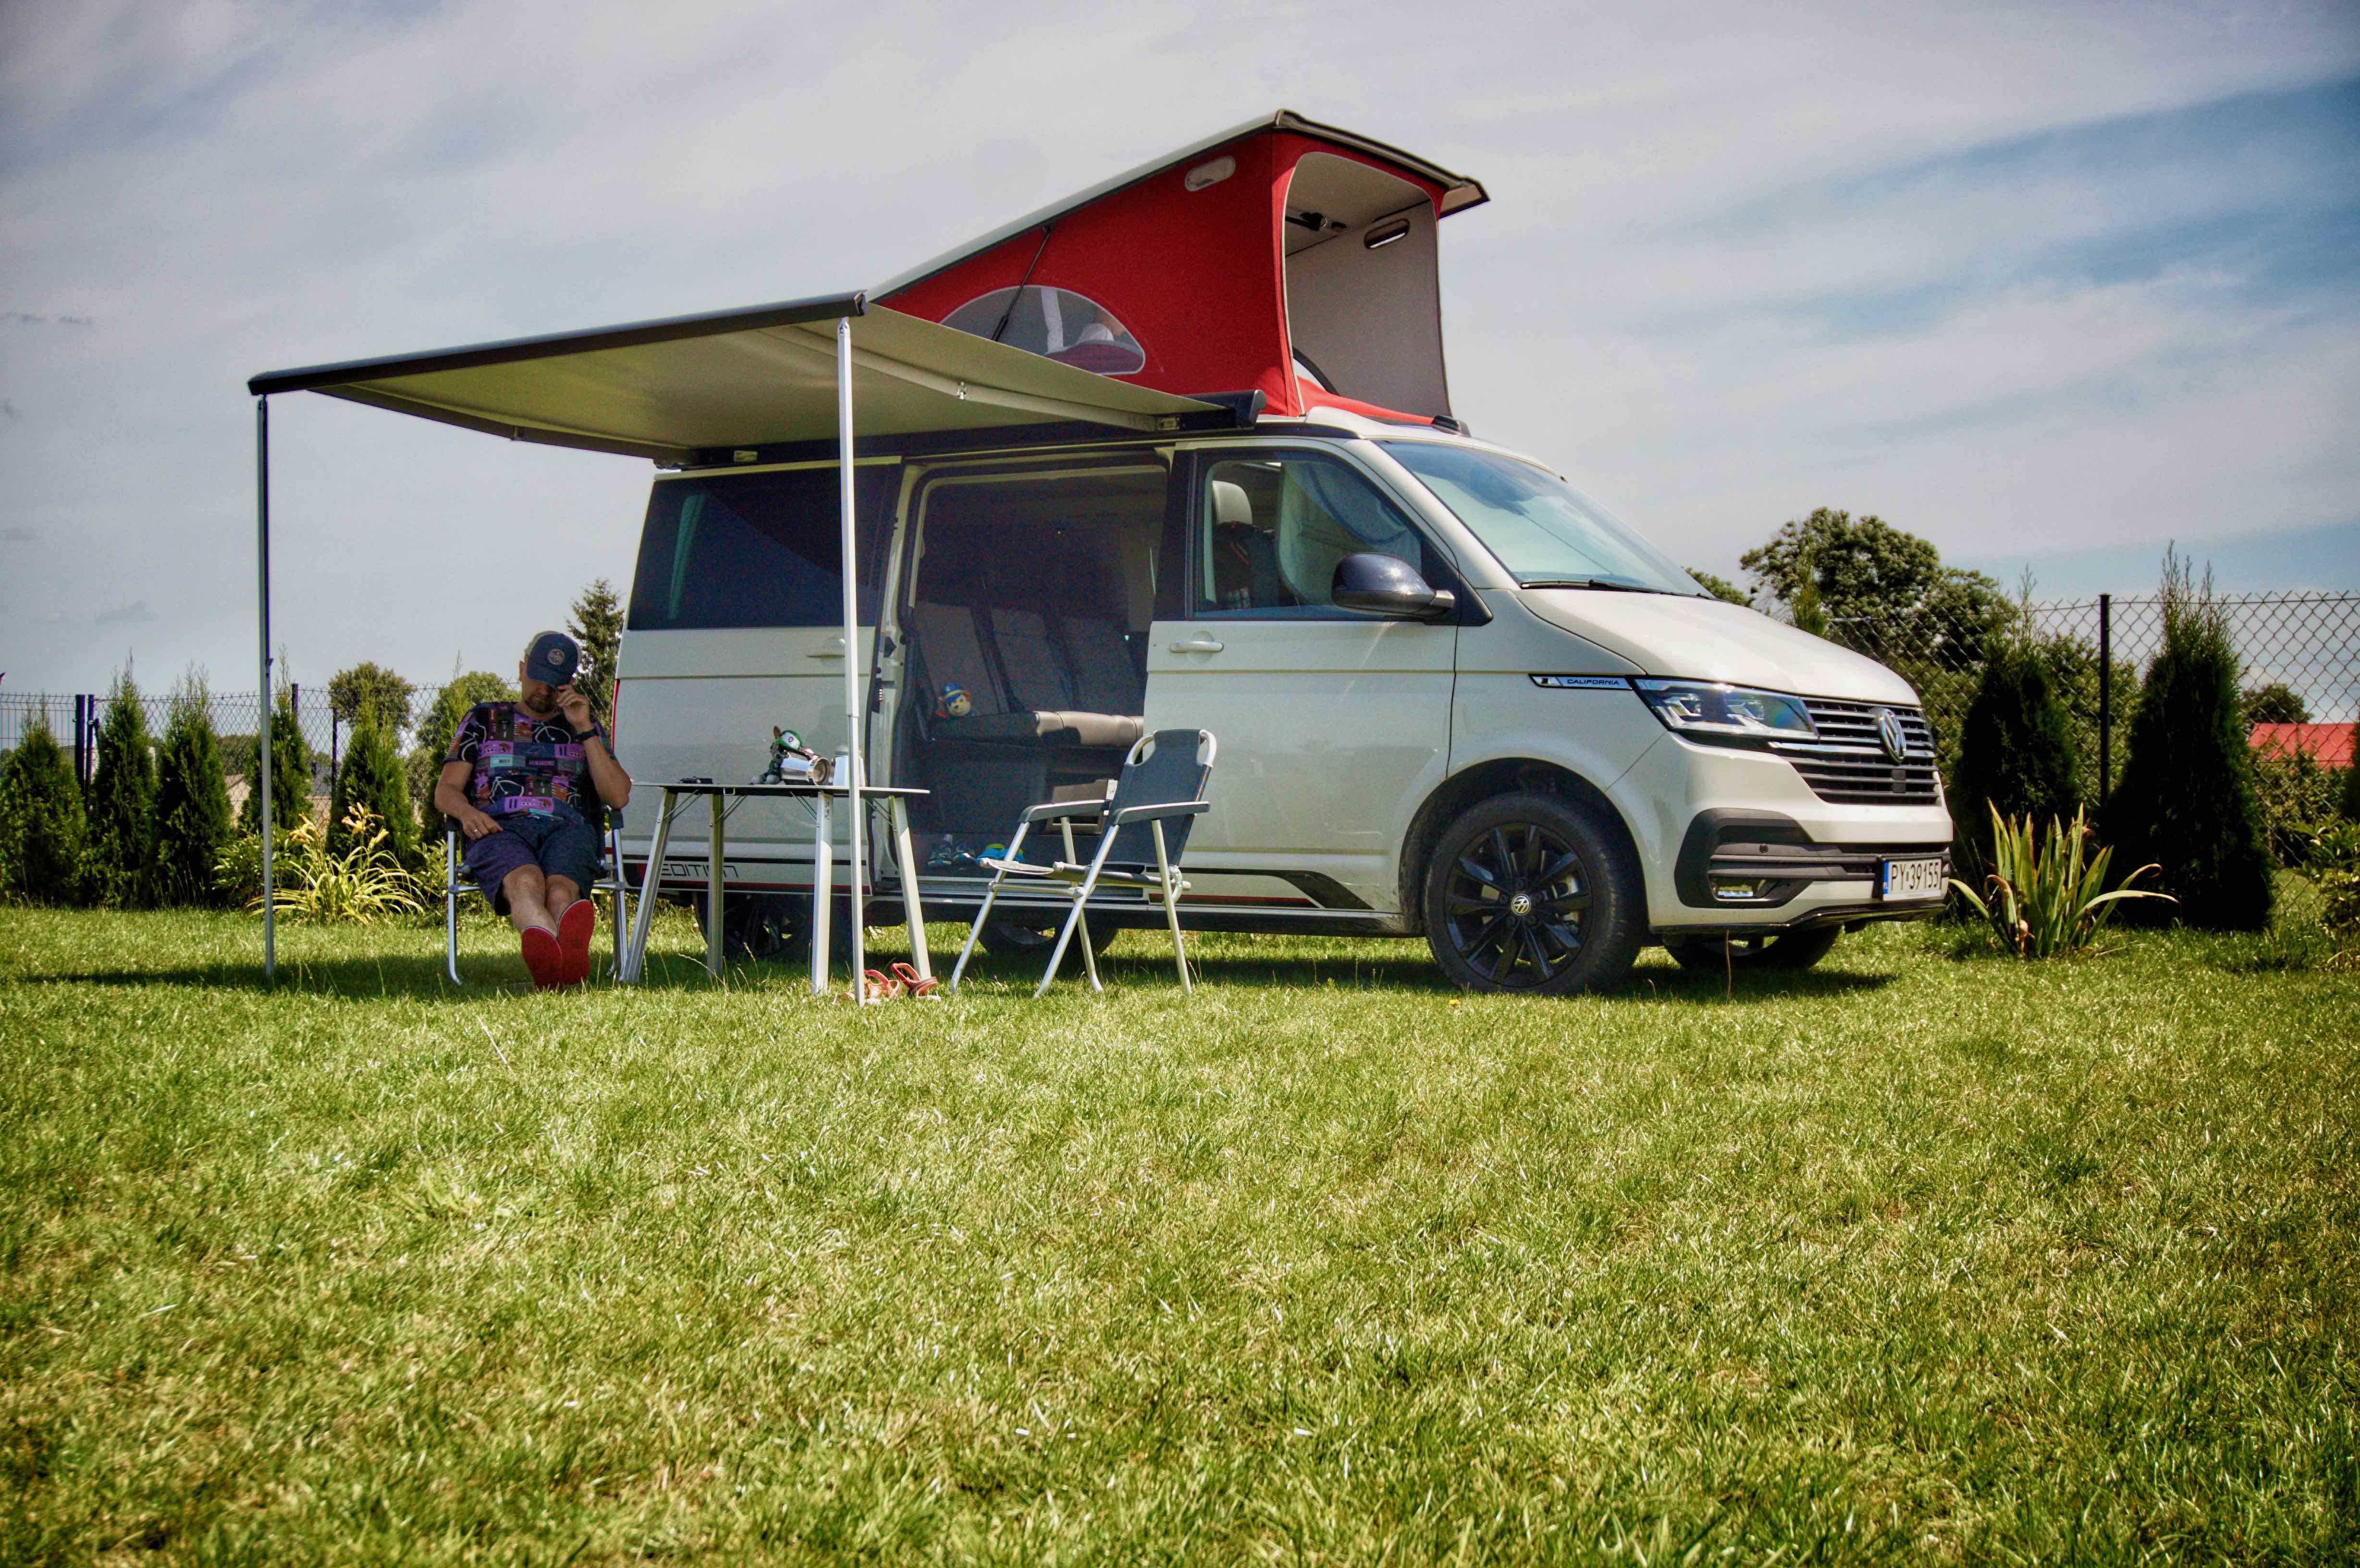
(2105, 697)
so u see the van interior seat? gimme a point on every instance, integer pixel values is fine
(1042, 709)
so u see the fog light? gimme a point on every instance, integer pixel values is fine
(1738, 890)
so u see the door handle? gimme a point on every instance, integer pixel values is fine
(1199, 644)
(834, 649)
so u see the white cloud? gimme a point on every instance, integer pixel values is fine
(1694, 204)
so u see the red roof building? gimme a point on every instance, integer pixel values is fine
(2330, 745)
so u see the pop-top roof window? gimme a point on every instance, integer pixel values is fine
(1069, 327)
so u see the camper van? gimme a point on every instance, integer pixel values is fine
(1454, 696)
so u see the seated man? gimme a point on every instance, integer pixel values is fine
(517, 778)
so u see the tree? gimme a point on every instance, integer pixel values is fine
(371, 688)
(434, 732)
(372, 776)
(291, 773)
(597, 626)
(41, 820)
(121, 862)
(1881, 591)
(2275, 703)
(2015, 755)
(193, 816)
(1721, 588)
(2186, 802)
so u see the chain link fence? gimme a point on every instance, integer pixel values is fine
(73, 718)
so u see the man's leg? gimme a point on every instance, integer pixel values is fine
(558, 897)
(528, 892)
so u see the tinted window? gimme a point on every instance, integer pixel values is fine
(1270, 529)
(757, 550)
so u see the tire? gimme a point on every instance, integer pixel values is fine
(1015, 936)
(1585, 906)
(762, 925)
(1791, 950)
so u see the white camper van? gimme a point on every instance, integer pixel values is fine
(1455, 697)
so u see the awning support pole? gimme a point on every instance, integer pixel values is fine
(262, 728)
(855, 775)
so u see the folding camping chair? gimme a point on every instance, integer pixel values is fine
(1162, 780)
(611, 883)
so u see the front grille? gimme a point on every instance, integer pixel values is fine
(1847, 763)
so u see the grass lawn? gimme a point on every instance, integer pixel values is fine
(1916, 1255)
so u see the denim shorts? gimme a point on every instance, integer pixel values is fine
(561, 846)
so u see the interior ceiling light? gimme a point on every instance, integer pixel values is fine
(1383, 235)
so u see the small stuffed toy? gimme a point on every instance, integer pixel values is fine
(956, 703)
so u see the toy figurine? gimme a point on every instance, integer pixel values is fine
(792, 762)
(957, 704)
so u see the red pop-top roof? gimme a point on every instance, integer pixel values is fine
(1283, 257)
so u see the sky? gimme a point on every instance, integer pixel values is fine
(2049, 284)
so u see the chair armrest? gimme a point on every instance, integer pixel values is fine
(1129, 814)
(1056, 808)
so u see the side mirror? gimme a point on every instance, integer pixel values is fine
(1388, 585)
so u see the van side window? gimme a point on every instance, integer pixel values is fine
(1270, 529)
(758, 549)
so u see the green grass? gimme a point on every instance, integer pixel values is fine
(1918, 1256)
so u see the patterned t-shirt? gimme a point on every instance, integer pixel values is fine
(524, 764)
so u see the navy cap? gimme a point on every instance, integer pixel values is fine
(552, 656)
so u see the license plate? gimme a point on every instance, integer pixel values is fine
(1914, 878)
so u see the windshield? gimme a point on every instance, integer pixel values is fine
(1542, 530)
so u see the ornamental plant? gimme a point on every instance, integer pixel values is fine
(41, 820)
(2187, 801)
(193, 814)
(372, 778)
(120, 863)
(290, 773)
(2047, 894)
(360, 886)
(2016, 752)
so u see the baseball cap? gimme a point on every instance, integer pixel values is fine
(552, 656)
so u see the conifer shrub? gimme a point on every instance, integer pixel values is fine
(372, 777)
(2186, 800)
(42, 820)
(193, 814)
(291, 773)
(120, 861)
(2015, 755)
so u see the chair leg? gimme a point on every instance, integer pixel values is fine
(1081, 901)
(451, 905)
(1170, 905)
(980, 915)
(618, 893)
(1089, 953)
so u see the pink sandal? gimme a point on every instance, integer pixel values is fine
(913, 983)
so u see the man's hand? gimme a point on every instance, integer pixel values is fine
(476, 825)
(575, 707)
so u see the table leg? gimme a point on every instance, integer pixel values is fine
(635, 960)
(912, 909)
(712, 894)
(823, 878)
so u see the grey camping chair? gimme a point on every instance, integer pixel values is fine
(611, 883)
(1162, 782)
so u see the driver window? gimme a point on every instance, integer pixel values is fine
(1272, 527)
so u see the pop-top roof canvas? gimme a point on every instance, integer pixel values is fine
(1287, 257)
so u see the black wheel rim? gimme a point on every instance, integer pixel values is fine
(1517, 906)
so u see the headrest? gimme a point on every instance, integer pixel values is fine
(1230, 504)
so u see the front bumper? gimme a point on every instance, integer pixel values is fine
(1715, 814)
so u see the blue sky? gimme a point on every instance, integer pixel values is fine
(2047, 283)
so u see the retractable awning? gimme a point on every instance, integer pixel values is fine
(667, 389)
(798, 370)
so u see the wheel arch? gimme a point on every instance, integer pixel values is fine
(1498, 776)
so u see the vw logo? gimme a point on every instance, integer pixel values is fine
(1521, 906)
(1888, 730)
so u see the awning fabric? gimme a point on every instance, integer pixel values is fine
(737, 379)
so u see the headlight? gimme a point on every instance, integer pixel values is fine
(1708, 711)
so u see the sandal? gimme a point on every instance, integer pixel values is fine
(914, 983)
(877, 985)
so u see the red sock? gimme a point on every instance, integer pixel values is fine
(575, 928)
(543, 957)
